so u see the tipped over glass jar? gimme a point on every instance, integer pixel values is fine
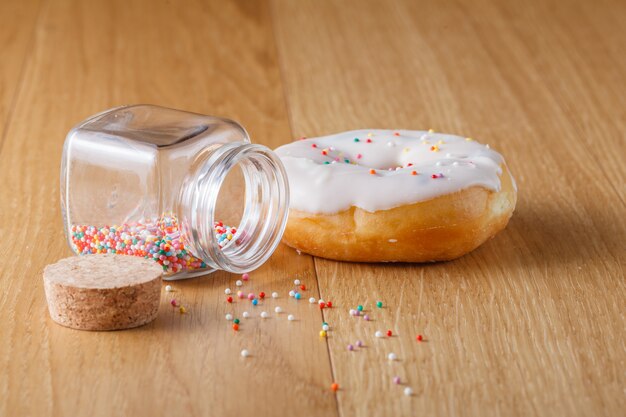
(187, 190)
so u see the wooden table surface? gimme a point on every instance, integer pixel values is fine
(531, 323)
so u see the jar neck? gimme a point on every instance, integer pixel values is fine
(264, 213)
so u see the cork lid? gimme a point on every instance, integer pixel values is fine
(103, 292)
(102, 271)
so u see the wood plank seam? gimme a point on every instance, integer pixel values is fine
(281, 70)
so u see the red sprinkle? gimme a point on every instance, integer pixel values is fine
(389, 333)
(324, 152)
(261, 295)
(173, 303)
(419, 338)
(303, 287)
(229, 299)
(322, 305)
(235, 327)
(329, 304)
(434, 176)
(369, 141)
(396, 134)
(313, 145)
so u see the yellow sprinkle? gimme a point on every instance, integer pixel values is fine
(182, 310)
(370, 134)
(441, 142)
(406, 150)
(431, 131)
(323, 333)
(469, 139)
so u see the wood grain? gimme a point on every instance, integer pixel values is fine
(211, 58)
(531, 323)
(15, 42)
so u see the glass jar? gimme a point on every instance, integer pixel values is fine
(188, 190)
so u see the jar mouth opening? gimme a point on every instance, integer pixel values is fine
(264, 210)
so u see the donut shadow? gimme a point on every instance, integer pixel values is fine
(537, 236)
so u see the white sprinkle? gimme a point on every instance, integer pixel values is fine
(278, 309)
(393, 240)
(274, 295)
(229, 317)
(245, 353)
(245, 314)
(264, 314)
(312, 300)
(296, 282)
(239, 283)
(378, 333)
(408, 391)
(292, 293)
(168, 288)
(455, 163)
(320, 301)
(392, 357)
(291, 317)
(391, 144)
(325, 327)
(352, 312)
(227, 291)
(487, 146)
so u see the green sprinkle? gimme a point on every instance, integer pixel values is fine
(379, 304)
(236, 321)
(359, 307)
(357, 140)
(326, 162)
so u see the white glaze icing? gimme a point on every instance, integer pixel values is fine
(325, 183)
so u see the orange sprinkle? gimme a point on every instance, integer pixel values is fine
(396, 134)
(434, 148)
(413, 172)
(372, 171)
(235, 327)
(334, 386)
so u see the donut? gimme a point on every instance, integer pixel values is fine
(394, 195)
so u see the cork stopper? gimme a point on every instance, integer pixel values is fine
(103, 292)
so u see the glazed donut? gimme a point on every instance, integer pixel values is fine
(394, 196)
